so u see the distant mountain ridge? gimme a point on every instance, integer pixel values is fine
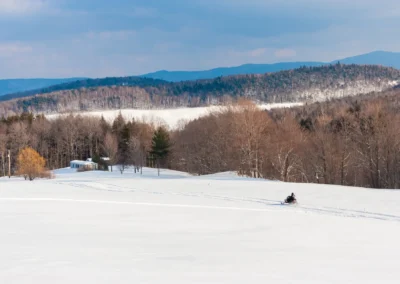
(8, 86)
(383, 58)
(87, 83)
(246, 69)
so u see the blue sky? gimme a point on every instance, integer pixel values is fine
(64, 38)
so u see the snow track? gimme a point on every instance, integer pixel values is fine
(132, 203)
(288, 208)
(269, 204)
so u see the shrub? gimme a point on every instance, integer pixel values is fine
(30, 164)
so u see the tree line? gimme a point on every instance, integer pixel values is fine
(349, 142)
(60, 141)
(353, 141)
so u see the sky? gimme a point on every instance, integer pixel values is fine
(98, 38)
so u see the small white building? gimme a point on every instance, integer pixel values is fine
(77, 164)
(101, 158)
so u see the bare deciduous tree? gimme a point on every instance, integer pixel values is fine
(110, 147)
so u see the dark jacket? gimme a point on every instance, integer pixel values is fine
(290, 199)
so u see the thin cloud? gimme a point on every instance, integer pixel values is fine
(13, 49)
(111, 35)
(257, 52)
(20, 6)
(285, 53)
(253, 53)
(144, 12)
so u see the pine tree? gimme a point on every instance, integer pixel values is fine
(123, 147)
(118, 124)
(105, 127)
(122, 130)
(160, 147)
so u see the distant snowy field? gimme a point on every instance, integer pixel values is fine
(97, 227)
(169, 117)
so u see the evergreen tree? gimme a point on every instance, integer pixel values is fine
(102, 165)
(118, 124)
(105, 127)
(160, 146)
(122, 130)
(124, 156)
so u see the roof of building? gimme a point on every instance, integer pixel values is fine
(78, 162)
(101, 158)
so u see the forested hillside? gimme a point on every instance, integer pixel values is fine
(86, 83)
(306, 84)
(352, 141)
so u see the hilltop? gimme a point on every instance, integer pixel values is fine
(21, 86)
(306, 84)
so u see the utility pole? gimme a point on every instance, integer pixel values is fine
(4, 164)
(9, 164)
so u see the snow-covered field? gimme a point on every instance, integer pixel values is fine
(169, 117)
(97, 227)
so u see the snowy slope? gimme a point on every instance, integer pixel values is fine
(169, 117)
(96, 227)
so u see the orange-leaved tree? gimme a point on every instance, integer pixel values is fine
(30, 164)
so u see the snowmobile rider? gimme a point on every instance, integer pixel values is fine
(291, 198)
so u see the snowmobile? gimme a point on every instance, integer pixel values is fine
(291, 199)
